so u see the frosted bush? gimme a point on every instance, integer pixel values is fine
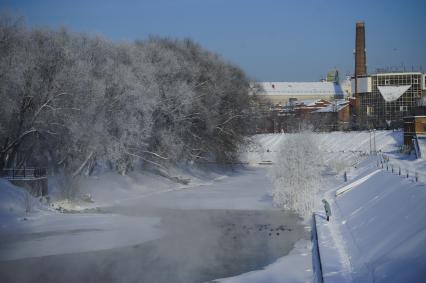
(297, 173)
(338, 164)
(28, 202)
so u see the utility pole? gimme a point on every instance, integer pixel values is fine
(370, 140)
(374, 141)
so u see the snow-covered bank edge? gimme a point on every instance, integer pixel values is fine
(111, 188)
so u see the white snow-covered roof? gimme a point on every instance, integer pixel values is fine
(306, 102)
(309, 102)
(336, 106)
(302, 88)
(392, 92)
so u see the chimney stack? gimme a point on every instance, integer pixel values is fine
(360, 64)
(360, 57)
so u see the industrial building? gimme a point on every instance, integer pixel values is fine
(365, 101)
(385, 98)
(335, 116)
(292, 104)
(382, 100)
(288, 93)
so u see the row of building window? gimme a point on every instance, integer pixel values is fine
(370, 109)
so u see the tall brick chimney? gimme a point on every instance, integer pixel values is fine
(360, 64)
(360, 57)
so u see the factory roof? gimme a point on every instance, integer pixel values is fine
(336, 106)
(302, 88)
(396, 73)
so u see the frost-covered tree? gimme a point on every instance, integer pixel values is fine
(297, 173)
(72, 102)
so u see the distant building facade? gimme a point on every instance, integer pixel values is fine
(293, 104)
(286, 93)
(384, 99)
(321, 114)
(335, 116)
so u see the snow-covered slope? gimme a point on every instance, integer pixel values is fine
(377, 231)
(385, 215)
(15, 201)
(334, 144)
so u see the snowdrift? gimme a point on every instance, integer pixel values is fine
(15, 200)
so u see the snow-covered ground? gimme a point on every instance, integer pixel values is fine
(294, 267)
(44, 231)
(111, 188)
(344, 148)
(376, 232)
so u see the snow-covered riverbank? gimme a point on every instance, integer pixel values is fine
(376, 229)
(377, 232)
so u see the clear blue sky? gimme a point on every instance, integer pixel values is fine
(271, 40)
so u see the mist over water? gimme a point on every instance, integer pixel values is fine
(198, 246)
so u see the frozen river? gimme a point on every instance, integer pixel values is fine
(199, 245)
(201, 238)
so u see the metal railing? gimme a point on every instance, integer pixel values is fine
(23, 173)
(403, 168)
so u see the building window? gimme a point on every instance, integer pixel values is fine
(415, 80)
(403, 108)
(370, 110)
(387, 82)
